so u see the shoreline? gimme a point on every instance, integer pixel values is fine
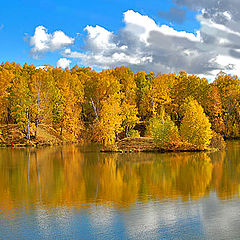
(12, 136)
(147, 144)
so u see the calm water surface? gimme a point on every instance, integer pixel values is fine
(75, 192)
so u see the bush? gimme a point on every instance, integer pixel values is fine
(217, 141)
(163, 131)
(133, 133)
(152, 124)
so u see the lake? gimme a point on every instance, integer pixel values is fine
(76, 192)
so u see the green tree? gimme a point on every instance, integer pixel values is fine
(163, 130)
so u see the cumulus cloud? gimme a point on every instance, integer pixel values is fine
(220, 32)
(42, 41)
(63, 63)
(135, 45)
(142, 44)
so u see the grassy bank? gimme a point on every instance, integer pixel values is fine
(13, 135)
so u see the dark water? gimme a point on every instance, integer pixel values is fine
(74, 192)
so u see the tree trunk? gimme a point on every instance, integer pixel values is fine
(95, 109)
(28, 129)
(37, 115)
(8, 116)
(226, 125)
(126, 131)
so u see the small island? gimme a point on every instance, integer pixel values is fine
(194, 134)
(147, 144)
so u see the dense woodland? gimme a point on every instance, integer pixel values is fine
(108, 105)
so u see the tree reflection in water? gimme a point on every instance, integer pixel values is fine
(69, 176)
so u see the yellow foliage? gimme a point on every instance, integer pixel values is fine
(129, 115)
(163, 130)
(195, 127)
(110, 120)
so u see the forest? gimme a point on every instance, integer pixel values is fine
(112, 104)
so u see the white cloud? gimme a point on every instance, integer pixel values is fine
(142, 44)
(105, 49)
(99, 38)
(60, 39)
(41, 67)
(63, 63)
(213, 26)
(142, 25)
(42, 41)
(102, 61)
(227, 15)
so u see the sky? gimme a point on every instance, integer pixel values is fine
(198, 36)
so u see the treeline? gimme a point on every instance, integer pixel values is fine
(108, 105)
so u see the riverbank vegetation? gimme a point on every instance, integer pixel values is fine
(106, 106)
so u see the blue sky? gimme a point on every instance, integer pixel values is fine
(123, 38)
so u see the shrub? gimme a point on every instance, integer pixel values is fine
(217, 141)
(163, 131)
(133, 133)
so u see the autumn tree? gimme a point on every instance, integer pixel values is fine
(66, 108)
(129, 116)
(103, 96)
(6, 78)
(230, 95)
(128, 96)
(110, 122)
(20, 100)
(195, 127)
(214, 109)
(186, 86)
(143, 83)
(159, 95)
(127, 84)
(83, 85)
(41, 88)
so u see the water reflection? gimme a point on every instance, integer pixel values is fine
(69, 176)
(130, 195)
